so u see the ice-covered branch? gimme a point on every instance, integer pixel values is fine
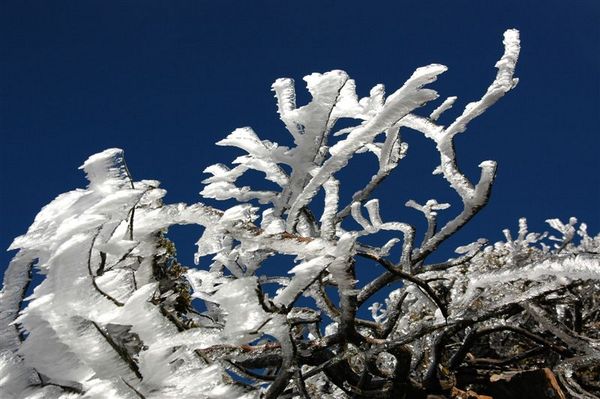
(504, 82)
(429, 210)
(389, 154)
(446, 105)
(474, 197)
(17, 278)
(410, 96)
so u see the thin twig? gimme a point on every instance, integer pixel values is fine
(405, 276)
(120, 351)
(138, 393)
(93, 278)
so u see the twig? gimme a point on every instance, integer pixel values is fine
(393, 316)
(405, 276)
(89, 265)
(458, 357)
(120, 351)
(249, 374)
(300, 384)
(138, 393)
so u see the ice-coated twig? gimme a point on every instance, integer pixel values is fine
(17, 278)
(391, 152)
(328, 222)
(375, 224)
(91, 273)
(342, 270)
(285, 371)
(474, 197)
(430, 212)
(446, 105)
(305, 275)
(574, 389)
(470, 254)
(125, 357)
(567, 230)
(392, 316)
(314, 122)
(405, 276)
(571, 339)
(286, 104)
(503, 83)
(410, 96)
(475, 334)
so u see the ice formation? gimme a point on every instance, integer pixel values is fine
(113, 317)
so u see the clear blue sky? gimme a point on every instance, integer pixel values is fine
(165, 80)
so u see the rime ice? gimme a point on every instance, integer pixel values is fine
(114, 315)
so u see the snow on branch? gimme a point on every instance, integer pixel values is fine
(273, 307)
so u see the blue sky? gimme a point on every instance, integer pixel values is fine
(165, 80)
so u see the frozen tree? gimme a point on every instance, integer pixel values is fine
(117, 316)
